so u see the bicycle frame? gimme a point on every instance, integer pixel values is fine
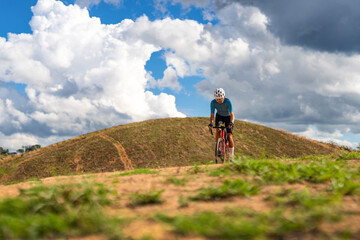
(223, 136)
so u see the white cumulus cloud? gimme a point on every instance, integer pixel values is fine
(81, 75)
(269, 81)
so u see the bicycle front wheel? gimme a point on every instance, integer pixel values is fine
(219, 151)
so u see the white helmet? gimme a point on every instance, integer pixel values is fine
(219, 93)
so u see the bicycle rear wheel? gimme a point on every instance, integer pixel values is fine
(219, 153)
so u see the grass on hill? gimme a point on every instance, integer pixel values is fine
(153, 144)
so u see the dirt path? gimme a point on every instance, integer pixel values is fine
(121, 151)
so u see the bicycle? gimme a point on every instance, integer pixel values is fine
(222, 144)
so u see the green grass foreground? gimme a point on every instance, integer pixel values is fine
(227, 189)
(297, 197)
(237, 223)
(293, 213)
(146, 198)
(342, 177)
(43, 212)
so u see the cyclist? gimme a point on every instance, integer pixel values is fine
(224, 113)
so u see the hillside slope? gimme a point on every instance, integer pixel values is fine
(153, 144)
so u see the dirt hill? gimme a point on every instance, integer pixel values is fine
(153, 144)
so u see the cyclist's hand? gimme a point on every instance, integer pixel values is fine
(210, 128)
(231, 125)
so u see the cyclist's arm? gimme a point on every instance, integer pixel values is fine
(212, 112)
(212, 117)
(232, 117)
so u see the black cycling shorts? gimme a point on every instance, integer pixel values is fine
(225, 119)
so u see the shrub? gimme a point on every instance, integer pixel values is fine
(145, 198)
(177, 181)
(227, 189)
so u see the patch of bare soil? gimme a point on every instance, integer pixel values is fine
(121, 151)
(141, 224)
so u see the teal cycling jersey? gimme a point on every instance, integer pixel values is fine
(223, 109)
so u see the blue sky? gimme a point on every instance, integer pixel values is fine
(75, 66)
(15, 16)
(188, 101)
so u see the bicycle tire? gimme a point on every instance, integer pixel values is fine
(219, 156)
(227, 153)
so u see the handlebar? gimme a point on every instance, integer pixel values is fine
(220, 127)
